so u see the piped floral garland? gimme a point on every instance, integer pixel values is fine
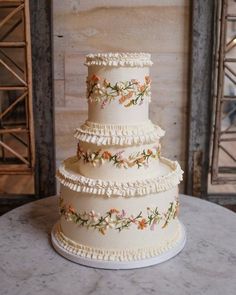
(129, 93)
(98, 157)
(119, 219)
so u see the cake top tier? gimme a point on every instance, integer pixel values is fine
(119, 59)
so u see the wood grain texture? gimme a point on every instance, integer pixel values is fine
(59, 94)
(153, 29)
(40, 12)
(85, 5)
(199, 126)
(158, 27)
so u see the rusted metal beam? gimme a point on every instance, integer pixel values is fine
(41, 37)
(200, 104)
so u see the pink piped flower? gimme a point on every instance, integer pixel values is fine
(153, 226)
(122, 214)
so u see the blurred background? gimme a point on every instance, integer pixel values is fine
(42, 86)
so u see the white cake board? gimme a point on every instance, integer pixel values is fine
(121, 264)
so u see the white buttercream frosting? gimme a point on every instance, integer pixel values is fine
(119, 162)
(112, 134)
(79, 183)
(115, 254)
(125, 130)
(119, 59)
(115, 112)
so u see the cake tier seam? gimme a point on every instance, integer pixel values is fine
(103, 134)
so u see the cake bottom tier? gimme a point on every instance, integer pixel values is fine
(83, 255)
(118, 229)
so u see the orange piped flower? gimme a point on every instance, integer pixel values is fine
(142, 88)
(126, 97)
(114, 210)
(147, 79)
(134, 81)
(95, 78)
(149, 152)
(106, 155)
(71, 209)
(142, 224)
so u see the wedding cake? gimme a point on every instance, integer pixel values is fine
(118, 195)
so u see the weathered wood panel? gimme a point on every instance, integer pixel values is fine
(41, 25)
(200, 105)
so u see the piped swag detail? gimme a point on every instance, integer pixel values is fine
(119, 219)
(98, 157)
(128, 93)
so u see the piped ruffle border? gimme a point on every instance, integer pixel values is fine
(112, 254)
(79, 183)
(103, 134)
(119, 59)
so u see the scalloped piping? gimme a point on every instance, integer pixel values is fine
(79, 183)
(119, 59)
(103, 134)
(112, 254)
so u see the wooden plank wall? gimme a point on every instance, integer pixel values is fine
(159, 27)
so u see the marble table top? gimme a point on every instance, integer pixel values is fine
(29, 265)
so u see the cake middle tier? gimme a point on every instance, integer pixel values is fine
(117, 163)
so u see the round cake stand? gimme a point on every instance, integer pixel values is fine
(121, 264)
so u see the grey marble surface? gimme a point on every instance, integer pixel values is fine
(30, 266)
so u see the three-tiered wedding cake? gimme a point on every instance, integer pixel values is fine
(119, 196)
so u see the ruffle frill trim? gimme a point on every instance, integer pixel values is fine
(103, 134)
(79, 183)
(119, 59)
(114, 255)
